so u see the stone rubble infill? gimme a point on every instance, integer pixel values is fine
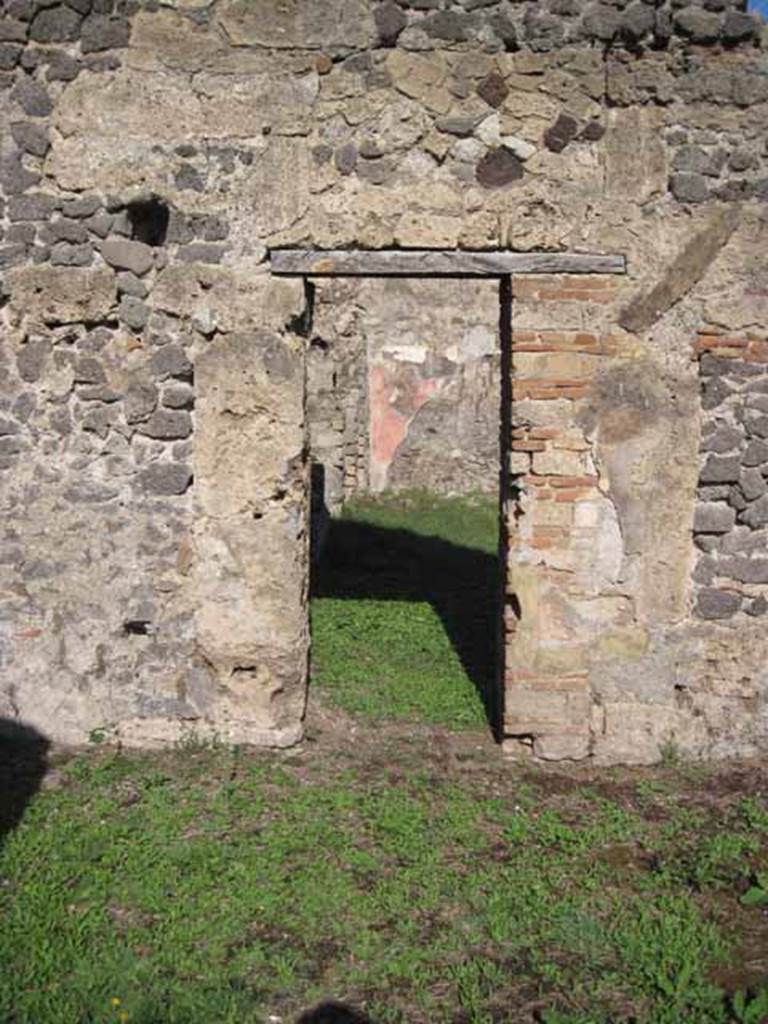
(731, 518)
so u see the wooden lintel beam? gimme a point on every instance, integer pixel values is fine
(433, 263)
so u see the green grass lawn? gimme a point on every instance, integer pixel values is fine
(217, 885)
(404, 609)
(405, 870)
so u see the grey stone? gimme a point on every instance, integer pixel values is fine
(755, 454)
(32, 358)
(65, 255)
(24, 406)
(60, 421)
(503, 27)
(757, 427)
(133, 312)
(65, 230)
(724, 439)
(376, 171)
(757, 607)
(637, 21)
(127, 255)
(99, 393)
(100, 32)
(189, 178)
(90, 492)
(22, 232)
(33, 206)
(166, 478)
(705, 570)
(717, 492)
(128, 284)
(698, 25)
(601, 22)
(12, 445)
(461, 126)
(543, 31)
(390, 22)
(710, 365)
(713, 517)
(499, 167)
(100, 225)
(453, 26)
(178, 396)
(14, 176)
(696, 160)
(688, 188)
(12, 30)
(62, 67)
(752, 483)
(736, 499)
(164, 425)
(214, 229)
(714, 392)
(83, 206)
(757, 513)
(717, 604)
(88, 370)
(739, 27)
(171, 361)
(12, 255)
(741, 540)
(201, 252)
(741, 159)
(98, 421)
(747, 570)
(759, 402)
(8, 427)
(10, 54)
(58, 24)
(720, 469)
(345, 158)
(140, 401)
(32, 138)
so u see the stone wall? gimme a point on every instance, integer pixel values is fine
(153, 449)
(731, 519)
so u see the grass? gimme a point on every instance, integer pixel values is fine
(404, 609)
(406, 870)
(217, 885)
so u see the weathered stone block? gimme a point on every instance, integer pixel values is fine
(127, 255)
(165, 425)
(717, 604)
(171, 361)
(166, 478)
(713, 517)
(756, 514)
(752, 483)
(719, 469)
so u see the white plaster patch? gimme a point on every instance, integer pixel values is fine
(478, 341)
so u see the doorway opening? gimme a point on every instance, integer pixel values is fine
(408, 418)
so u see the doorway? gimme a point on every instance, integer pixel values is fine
(407, 423)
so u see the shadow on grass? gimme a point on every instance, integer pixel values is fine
(333, 1013)
(360, 561)
(23, 763)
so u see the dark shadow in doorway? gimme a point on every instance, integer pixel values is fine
(360, 560)
(23, 764)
